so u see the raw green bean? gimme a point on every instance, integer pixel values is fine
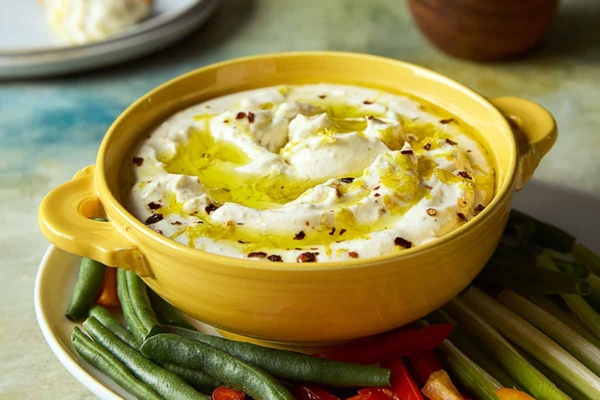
(284, 364)
(141, 305)
(220, 365)
(544, 234)
(198, 379)
(587, 257)
(165, 383)
(166, 313)
(107, 319)
(133, 322)
(572, 268)
(100, 358)
(594, 298)
(525, 278)
(86, 290)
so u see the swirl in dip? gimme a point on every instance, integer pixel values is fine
(310, 173)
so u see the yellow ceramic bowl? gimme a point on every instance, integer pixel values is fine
(307, 303)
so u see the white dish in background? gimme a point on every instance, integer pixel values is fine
(575, 212)
(28, 48)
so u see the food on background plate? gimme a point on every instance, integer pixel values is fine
(85, 21)
(491, 344)
(309, 173)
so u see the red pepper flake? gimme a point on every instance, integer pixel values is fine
(376, 195)
(275, 258)
(427, 146)
(376, 187)
(176, 223)
(407, 152)
(479, 208)
(210, 208)
(153, 206)
(428, 187)
(240, 115)
(332, 232)
(300, 235)
(241, 242)
(306, 257)
(462, 202)
(154, 218)
(367, 102)
(226, 121)
(462, 217)
(353, 254)
(464, 174)
(257, 254)
(446, 121)
(450, 142)
(159, 231)
(307, 223)
(297, 248)
(342, 231)
(346, 180)
(322, 96)
(250, 116)
(240, 223)
(138, 161)
(468, 151)
(402, 243)
(338, 193)
(376, 120)
(432, 212)
(314, 248)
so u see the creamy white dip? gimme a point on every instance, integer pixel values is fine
(309, 173)
(83, 21)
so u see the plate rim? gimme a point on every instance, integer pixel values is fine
(67, 359)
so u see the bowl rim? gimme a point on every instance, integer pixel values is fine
(108, 200)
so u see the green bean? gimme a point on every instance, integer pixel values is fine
(166, 313)
(133, 322)
(165, 383)
(521, 276)
(100, 358)
(194, 354)
(198, 379)
(86, 290)
(107, 319)
(572, 268)
(587, 257)
(283, 364)
(141, 305)
(543, 234)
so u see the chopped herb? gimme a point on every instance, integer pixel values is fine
(427, 146)
(400, 242)
(353, 254)
(332, 232)
(153, 206)
(154, 218)
(275, 258)
(257, 254)
(300, 235)
(450, 142)
(465, 174)
(210, 208)
(250, 116)
(138, 161)
(462, 217)
(432, 212)
(306, 257)
(342, 231)
(346, 180)
(240, 115)
(446, 121)
(407, 152)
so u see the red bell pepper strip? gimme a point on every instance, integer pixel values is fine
(312, 393)
(403, 385)
(389, 346)
(374, 393)
(224, 393)
(425, 364)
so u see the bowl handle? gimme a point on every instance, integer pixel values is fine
(64, 218)
(535, 131)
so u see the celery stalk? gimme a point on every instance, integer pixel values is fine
(530, 379)
(469, 374)
(526, 336)
(548, 305)
(584, 351)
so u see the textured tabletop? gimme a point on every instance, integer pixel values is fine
(51, 128)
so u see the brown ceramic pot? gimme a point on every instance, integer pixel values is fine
(484, 30)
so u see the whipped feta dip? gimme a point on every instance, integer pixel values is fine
(85, 21)
(309, 173)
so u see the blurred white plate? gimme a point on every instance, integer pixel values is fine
(29, 49)
(576, 212)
